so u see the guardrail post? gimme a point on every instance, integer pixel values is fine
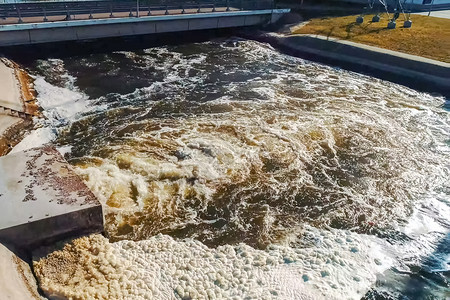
(18, 13)
(431, 7)
(137, 8)
(45, 15)
(68, 18)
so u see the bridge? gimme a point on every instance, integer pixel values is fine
(33, 22)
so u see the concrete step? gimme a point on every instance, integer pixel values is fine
(42, 200)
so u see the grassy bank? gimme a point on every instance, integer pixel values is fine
(428, 37)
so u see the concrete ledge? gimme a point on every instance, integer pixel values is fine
(10, 96)
(42, 200)
(17, 95)
(413, 71)
(14, 110)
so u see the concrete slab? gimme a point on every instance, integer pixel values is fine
(6, 122)
(10, 92)
(42, 200)
(16, 279)
(10, 131)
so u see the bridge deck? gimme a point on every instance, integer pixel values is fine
(47, 22)
(107, 15)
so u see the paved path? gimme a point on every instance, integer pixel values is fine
(438, 14)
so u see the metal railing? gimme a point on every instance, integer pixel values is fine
(42, 11)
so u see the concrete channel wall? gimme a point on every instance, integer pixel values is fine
(35, 33)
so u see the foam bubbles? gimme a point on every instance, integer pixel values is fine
(333, 264)
(61, 101)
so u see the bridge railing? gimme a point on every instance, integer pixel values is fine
(45, 11)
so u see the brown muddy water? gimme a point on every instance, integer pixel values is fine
(228, 169)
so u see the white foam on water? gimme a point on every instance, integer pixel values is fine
(426, 218)
(428, 225)
(336, 264)
(61, 106)
(59, 103)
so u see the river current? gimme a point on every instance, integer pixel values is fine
(230, 170)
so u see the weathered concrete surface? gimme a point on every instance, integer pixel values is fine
(16, 279)
(6, 122)
(8, 128)
(43, 200)
(17, 95)
(414, 71)
(12, 107)
(10, 95)
(36, 33)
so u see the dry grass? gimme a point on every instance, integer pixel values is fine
(428, 37)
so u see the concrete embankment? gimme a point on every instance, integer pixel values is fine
(17, 104)
(416, 72)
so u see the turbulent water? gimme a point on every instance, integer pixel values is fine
(242, 172)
